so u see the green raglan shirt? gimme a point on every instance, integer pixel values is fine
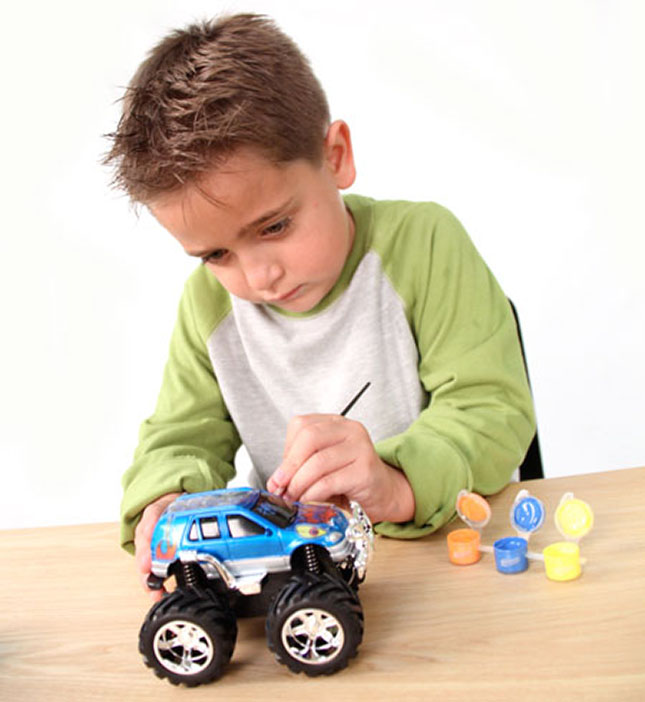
(415, 311)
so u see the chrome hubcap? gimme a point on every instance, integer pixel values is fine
(312, 636)
(183, 647)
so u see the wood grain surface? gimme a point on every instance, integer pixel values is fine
(71, 609)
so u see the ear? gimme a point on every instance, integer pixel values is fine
(338, 154)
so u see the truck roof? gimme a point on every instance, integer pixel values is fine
(214, 500)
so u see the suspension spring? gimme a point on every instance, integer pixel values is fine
(312, 564)
(190, 575)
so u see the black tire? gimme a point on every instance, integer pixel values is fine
(315, 625)
(188, 637)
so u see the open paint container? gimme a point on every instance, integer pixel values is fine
(527, 516)
(464, 545)
(573, 519)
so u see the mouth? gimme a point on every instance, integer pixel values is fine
(286, 297)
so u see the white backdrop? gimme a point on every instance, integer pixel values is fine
(526, 119)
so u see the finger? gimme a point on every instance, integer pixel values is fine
(318, 466)
(332, 487)
(278, 481)
(310, 437)
(296, 424)
(143, 537)
(146, 526)
(143, 560)
(350, 483)
(155, 595)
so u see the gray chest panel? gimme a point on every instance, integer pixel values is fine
(271, 367)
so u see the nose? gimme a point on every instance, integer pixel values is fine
(262, 274)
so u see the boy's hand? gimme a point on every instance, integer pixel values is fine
(327, 456)
(143, 537)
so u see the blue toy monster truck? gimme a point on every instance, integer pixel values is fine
(238, 552)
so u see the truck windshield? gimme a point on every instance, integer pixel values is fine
(275, 509)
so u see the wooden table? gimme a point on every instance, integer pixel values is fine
(71, 610)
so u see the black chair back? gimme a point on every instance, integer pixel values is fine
(531, 466)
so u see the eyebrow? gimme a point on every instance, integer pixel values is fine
(263, 219)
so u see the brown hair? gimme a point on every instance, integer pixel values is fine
(208, 89)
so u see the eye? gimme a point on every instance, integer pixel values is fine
(278, 227)
(215, 256)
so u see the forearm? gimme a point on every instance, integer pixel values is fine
(473, 434)
(189, 443)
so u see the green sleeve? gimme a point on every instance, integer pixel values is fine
(479, 420)
(189, 443)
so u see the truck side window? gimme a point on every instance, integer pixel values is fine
(210, 527)
(240, 526)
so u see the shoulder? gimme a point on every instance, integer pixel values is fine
(401, 222)
(205, 302)
(408, 236)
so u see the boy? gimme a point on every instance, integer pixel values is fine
(303, 297)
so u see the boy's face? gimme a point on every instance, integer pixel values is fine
(270, 234)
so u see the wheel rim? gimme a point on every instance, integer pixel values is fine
(313, 636)
(183, 647)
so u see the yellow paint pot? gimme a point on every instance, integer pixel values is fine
(562, 561)
(463, 546)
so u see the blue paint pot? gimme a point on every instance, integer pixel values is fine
(510, 555)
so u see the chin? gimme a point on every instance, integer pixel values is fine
(304, 304)
(294, 306)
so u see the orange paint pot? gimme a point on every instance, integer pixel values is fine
(463, 546)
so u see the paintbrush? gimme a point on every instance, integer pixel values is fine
(281, 490)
